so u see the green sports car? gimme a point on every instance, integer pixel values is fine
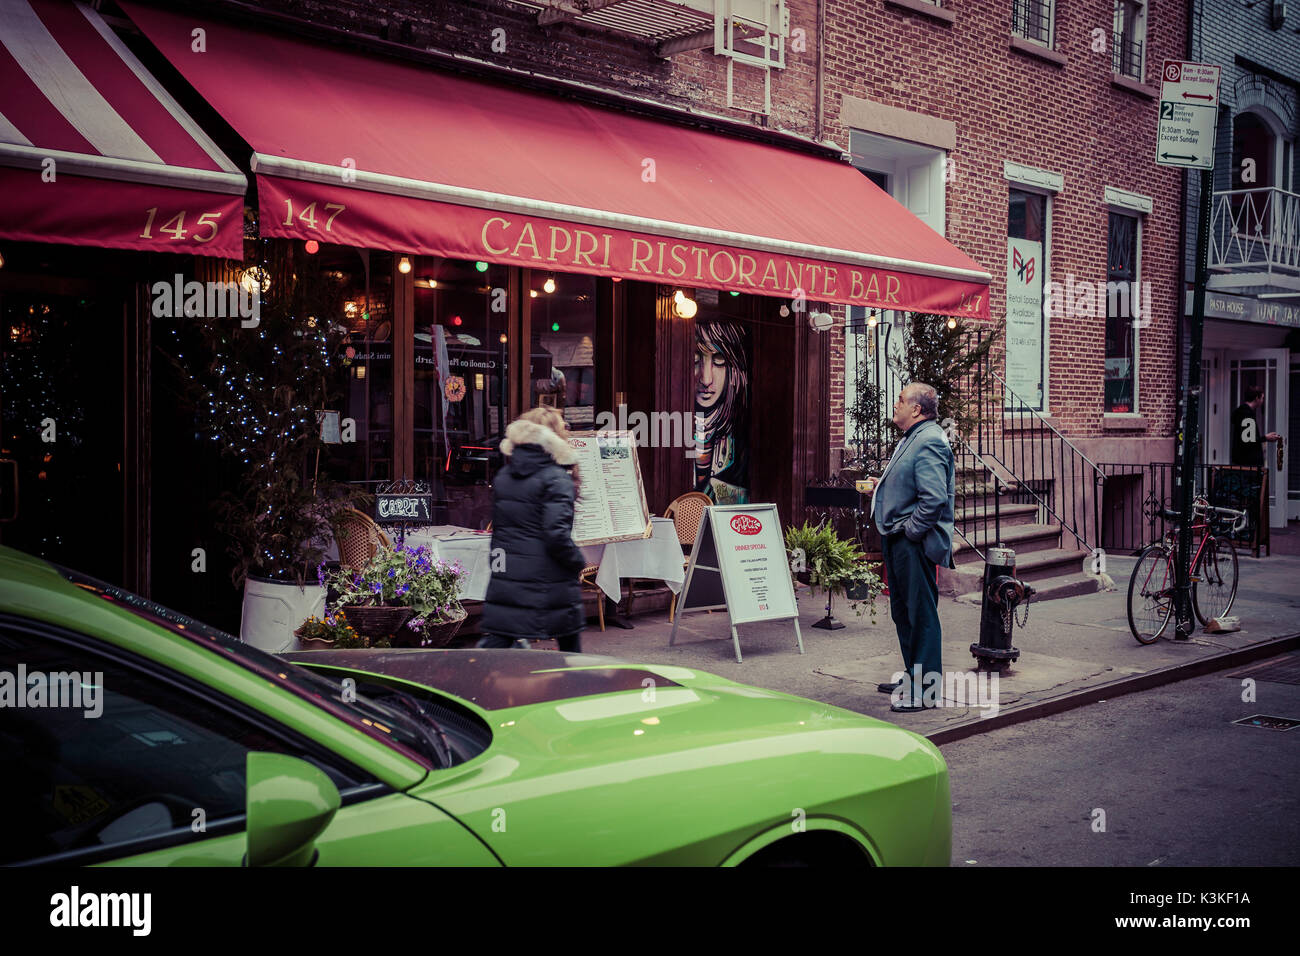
(130, 734)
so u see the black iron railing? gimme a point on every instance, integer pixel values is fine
(1032, 19)
(1136, 494)
(1040, 463)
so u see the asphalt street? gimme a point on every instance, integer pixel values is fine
(1177, 783)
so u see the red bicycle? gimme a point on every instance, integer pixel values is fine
(1151, 589)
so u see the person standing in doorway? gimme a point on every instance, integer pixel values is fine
(913, 508)
(536, 595)
(1247, 437)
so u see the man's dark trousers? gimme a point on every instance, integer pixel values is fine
(914, 605)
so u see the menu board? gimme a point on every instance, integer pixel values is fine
(739, 563)
(611, 506)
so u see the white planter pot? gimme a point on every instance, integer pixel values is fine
(273, 610)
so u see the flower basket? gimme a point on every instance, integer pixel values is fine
(379, 621)
(441, 633)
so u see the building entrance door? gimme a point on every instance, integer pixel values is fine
(1270, 369)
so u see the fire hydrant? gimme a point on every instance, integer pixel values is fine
(1002, 594)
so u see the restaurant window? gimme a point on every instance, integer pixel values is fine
(1121, 329)
(361, 450)
(461, 338)
(563, 374)
(1026, 332)
(1129, 38)
(1033, 20)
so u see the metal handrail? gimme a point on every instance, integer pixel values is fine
(1022, 407)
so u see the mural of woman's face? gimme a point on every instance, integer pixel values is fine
(710, 376)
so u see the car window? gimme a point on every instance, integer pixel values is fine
(95, 751)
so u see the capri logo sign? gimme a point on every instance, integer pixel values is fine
(746, 524)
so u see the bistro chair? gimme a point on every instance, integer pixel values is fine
(588, 580)
(687, 511)
(359, 539)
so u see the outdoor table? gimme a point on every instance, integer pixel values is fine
(657, 558)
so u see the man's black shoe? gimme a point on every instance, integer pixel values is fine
(908, 708)
(888, 688)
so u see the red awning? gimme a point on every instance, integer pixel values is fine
(353, 149)
(94, 152)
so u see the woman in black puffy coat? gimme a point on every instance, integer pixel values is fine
(536, 594)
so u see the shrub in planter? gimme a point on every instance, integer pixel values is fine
(834, 564)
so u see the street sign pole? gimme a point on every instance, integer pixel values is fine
(1185, 127)
(1184, 621)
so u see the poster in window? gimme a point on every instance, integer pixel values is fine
(1024, 329)
(722, 397)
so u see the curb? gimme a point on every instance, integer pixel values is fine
(1116, 688)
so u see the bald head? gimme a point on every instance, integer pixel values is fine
(925, 397)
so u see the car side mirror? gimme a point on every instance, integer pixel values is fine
(290, 803)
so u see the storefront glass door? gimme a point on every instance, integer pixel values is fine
(1270, 370)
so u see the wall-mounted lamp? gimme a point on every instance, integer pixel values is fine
(684, 305)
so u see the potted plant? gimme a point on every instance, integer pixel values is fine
(821, 558)
(334, 630)
(402, 589)
(257, 388)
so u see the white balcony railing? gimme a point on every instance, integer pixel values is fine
(1256, 231)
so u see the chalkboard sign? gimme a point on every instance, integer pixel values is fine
(739, 564)
(404, 509)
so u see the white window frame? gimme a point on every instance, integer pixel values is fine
(1135, 211)
(1029, 179)
(1139, 35)
(1050, 42)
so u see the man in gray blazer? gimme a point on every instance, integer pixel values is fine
(913, 509)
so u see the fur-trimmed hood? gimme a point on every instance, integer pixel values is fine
(529, 433)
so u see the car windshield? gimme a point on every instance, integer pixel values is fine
(395, 727)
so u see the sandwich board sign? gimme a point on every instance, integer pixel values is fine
(739, 564)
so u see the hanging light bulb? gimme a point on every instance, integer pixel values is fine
(403, 265)
(549, 285)
(952, 322)
(503, 338)
(481, 266)
(312, 247)
(872, 320)
(532, 293)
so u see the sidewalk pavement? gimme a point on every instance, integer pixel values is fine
(1070, 648)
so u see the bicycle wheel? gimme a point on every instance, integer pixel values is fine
(1216, 589)
(1151, 594)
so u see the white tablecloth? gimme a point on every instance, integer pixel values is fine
(657, 558)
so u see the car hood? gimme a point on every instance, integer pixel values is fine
(499, 679)
(587, 746)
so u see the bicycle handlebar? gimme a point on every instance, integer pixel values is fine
(1239, 517)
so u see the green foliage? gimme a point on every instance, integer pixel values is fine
(256, 392)
(950, 361)
(832, 563)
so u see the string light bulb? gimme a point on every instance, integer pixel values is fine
(404, 265)
(952, 322)
(872, 320)
(549, 285)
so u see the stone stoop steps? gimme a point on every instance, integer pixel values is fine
(1053, 570)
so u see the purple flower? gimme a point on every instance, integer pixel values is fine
(415, 623)
(376, 587)
(402, 589)
(392, 572)
(320, 574)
